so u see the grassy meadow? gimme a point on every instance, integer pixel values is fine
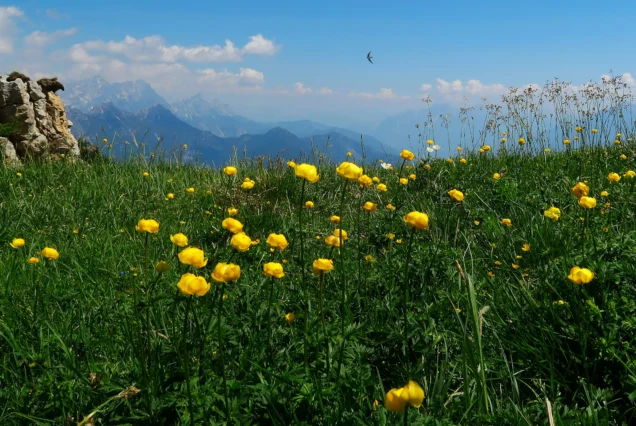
(475, 306)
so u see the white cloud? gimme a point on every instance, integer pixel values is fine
(624, 78)
(384, 93)
(154, 49)
(425, 87)
(54, 14)
(39, 39)
(259, 45)
(301, 89)
(244, 76)
(8, 28)
(326, 91)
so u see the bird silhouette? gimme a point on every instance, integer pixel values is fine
(369, 57)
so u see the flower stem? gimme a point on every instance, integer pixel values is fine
(186, 357)
(222, 352)
(405, 296)
(269, 318)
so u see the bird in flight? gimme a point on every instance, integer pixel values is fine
(369, 57)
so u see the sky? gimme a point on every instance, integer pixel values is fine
(282, 60)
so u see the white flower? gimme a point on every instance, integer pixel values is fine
(386, 166)
(435, 147)
(429, 149)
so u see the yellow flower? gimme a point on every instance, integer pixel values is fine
(190, 284)
(105, 140)
(481, 150)
(225, 272)
(459, 149)
(162, 266)
(463, 161)
(553, 213)
(190, 190)
(412, 176)
(229, 170)
(491, 275)
(337, 233)
(617, 142)
(179, 240)
(349, 170)
(613, 177)
(273, 269)
(458, 310)
(33, 260)
(427, 167)
(416, 219)
(476, 223)
(322, 265)
(594, 130)
(17, 243)
(404, 181)
(580, 275)
(148, 225)
(415, 394)
(578, 129)
(521, 141)
(506, 221)
(526, 247)
(291, 164)
(145, 174)
(335, 219)
(50, 253)
(309, 204)
(170, 196)
(290, 317)
(381, 187)
(376, 403)
(369, 207)
(515, 266)
(349, 154)
(248, 184)
(193, 256)
(496, 176)
(449, 160)
(185, 146)
(604, 193)
(587, 202)
(241, 241)
(232, 225)
(307, 172)
(332, 240)
(630, 174)
(277, 241)
(566, 142)
(546, 150)
(375, 179)
(390, 207)
(407, 155)
(456, 195)
(365, 181)
(390, 236)
(232, 211)
(497, 262)
(623, 157)
(395, 401)
(430, 142)
(618, 135)
(486, 148)
(369, 258)
(580, 189)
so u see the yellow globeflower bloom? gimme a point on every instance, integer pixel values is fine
(273, 269)
(553, 213)
(604, 193)
(580, 189)
(506, 221)
(190, 284)
(416, 219)
(290, 317)
(407, 155)
(190, 190)
(463, 160)
(404, 181)
(248, 184)
(456, 195)
(309, 204)
(145, 174)
(587, 202)
(412, 176)
(232, 225)
(415, 394)
(566, 142)
(526, 247)
(277, 241)
(521, 141)
(395, 400)
(17, 243)
(193, 256)
(375, 179)
(390, 207)
(623, 157)
(241, 241)
(496, 176)
(613, 177)
(226, 272)
(335, 219)
(580, 275)
(170, 196)
(333, 241)
(369, 207)
(162, 266)
(230, 171)
(430, 142)
(486, 148)
(33, 260)
(232, 211)
(179, 240)
(337, 233)
(365, 181)
(349, 170)
(322, 265)
(50, 253)
(148, 225)
(307, 172)
(630, 174)
(427, 167)
(382, 187)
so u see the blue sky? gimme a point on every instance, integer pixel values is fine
(324, 44)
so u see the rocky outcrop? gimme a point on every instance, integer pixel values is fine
(38, 122)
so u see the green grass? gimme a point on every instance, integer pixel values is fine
(488, 343)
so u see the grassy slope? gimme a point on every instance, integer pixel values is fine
(62, 320)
